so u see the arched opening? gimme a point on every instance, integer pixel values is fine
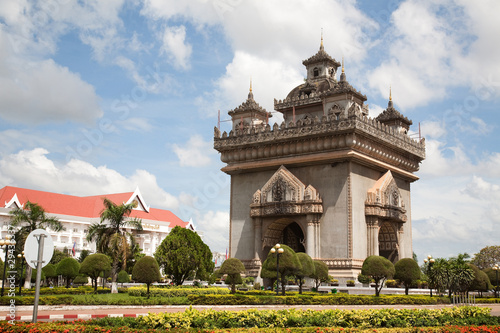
(315, 72)
(284, 231)
(294, 237)
(388, 242)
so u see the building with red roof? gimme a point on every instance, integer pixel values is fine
(78, 213)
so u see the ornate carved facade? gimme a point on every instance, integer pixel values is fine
(328, 180)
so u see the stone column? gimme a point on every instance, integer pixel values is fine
(317, 239)
(310, 246)
(257, 229)
(372, 235)
(401, 247)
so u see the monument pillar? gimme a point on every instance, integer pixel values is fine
(310, 239)
(372, 241)
(257, 227)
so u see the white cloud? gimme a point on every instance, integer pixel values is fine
(175, 46)
(136, 124)
(34, 169)
(432, 129)
(215, 226)
(434, 46)
(195, 153)
(43, 91)
(269, 42)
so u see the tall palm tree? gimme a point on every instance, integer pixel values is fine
(31, 217)
(111, 237)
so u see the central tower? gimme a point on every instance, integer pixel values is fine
(328, 181)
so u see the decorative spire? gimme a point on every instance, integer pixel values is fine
(321, 45)
(390, 105)
(342, 75)
(250, 93)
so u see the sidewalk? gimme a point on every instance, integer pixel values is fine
(57, 312)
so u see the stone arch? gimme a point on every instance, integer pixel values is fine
(284, 231)
(388, 241)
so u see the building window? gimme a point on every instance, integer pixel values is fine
(315, 72)
(75, 230)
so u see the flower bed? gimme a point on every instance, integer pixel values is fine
(211, 319)
(464, 319)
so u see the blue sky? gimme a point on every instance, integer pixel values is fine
(103, 96)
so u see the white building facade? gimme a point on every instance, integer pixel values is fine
(78, 213)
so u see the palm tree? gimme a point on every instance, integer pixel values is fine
(112, 238)
(31, 217)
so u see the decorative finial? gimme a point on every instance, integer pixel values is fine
(342, 75)
(390, 104)
(321, 46)
(250, 93)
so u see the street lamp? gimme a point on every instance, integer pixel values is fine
(496, 268)
(278, 250)
(8, 241)
(21, 257)
(429, 260)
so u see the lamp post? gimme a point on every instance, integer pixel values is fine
(21, 257)
(496, 268)
(8, 241)
(278, 250)
(429, 260)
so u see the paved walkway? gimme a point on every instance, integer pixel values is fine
(57, 312)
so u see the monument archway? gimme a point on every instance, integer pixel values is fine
(388, 242)
(284, 231)
(292, 207)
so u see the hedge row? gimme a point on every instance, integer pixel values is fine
(78, 327)
(61, 290)
(176, 292)
(92, 300)
(315, 299)
(210, 319)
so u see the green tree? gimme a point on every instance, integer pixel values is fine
(146, 270)
(28, 218)
(84, 254)
(94, 265)
(123, 277)
(487, 257)
(289, 264)
(69, 269)
(50, 271)
(306, 270)
(33, 276)
(81, 279)
(492, 275)
(379, 269)
(233, 280)
(320, 273)
(58, 255)
(481, 281)
(182, 255)
(454, 274)
(407, 271)
(111, 236)
(233, 267)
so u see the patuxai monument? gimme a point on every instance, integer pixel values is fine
(329, 180)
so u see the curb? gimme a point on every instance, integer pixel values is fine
(72, 316)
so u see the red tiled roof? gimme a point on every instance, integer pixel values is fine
(89, 207)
